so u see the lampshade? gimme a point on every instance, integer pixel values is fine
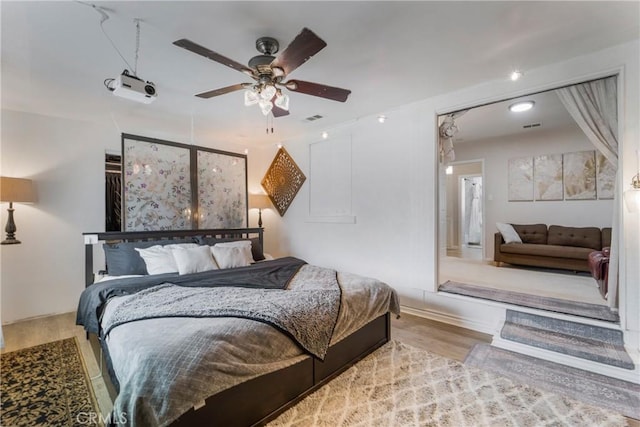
(632, 195)
(282, 100)
(265, 106)
(250, 97)
(268, 92)
(632, 199)
(259, 201)
(18, 190)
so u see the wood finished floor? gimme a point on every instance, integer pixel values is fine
(439, 338)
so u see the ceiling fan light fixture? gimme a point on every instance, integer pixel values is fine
(268, 91)
(522, 106)
(282, 100)
(265, 106)
(277, 71)
(250, 97)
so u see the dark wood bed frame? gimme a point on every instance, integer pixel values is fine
(262, 399)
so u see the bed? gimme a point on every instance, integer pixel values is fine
(229, 347)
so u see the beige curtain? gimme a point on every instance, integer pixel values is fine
(594, 107)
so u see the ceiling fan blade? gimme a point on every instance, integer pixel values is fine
(279, 112)
(316, 89)
(203, 51)
(300, 50)
(223, 90)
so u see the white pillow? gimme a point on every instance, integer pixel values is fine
(193, 260)
(232, 254)
(509, 234)
(158, 259)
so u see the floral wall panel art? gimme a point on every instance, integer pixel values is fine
(222, 190)
(283, 180)
(579, 170)
(605, 177)
(547, 177)
(520, 183)
(157, 186)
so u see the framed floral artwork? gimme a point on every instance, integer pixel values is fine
(173, 186)
(579, 175)
(547, 177)
(222, 189)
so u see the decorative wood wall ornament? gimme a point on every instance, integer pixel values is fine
(282, 181)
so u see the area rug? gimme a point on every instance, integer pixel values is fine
(592, 311)
(603, 345)
(46, 385)
(399, 385)
(594, 389)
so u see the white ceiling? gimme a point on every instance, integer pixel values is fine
(496, 120)
(55, 56)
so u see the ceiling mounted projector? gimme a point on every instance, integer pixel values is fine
(133, 88)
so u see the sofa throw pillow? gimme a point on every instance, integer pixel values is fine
(508, 233)
(193, 260)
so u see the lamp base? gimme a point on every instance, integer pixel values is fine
(10, 242)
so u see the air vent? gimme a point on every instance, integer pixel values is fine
(313, 118)
(532, 125)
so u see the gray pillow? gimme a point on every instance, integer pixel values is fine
(122, 258)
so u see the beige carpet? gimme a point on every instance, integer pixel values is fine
(540, 282)
(399, 385)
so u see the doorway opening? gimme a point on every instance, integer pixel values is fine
(465, 210)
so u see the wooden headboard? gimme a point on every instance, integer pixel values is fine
(91, 239)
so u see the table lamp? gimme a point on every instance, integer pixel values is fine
(259, 201)
(18, 190)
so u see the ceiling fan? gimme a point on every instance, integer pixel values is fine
(268, 72)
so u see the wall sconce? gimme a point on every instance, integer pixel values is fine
(16, 190)
(632, 195)
(259, 201)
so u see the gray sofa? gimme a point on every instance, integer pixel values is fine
(553, 247)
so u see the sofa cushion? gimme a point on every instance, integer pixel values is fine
(581, 237)
(532, 233)
(552, 251)
(606, 237)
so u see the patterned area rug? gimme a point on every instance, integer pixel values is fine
(592, 311)
(617, 395)
(399, 385)
(47, 385)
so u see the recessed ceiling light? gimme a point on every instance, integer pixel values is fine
(382, 118)
(519, 107)
(325, 135)
(516, 74)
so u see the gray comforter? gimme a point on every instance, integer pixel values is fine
(165, 366)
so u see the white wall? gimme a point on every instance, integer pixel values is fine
(496, 154)
(45, 274)
(394, 192)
